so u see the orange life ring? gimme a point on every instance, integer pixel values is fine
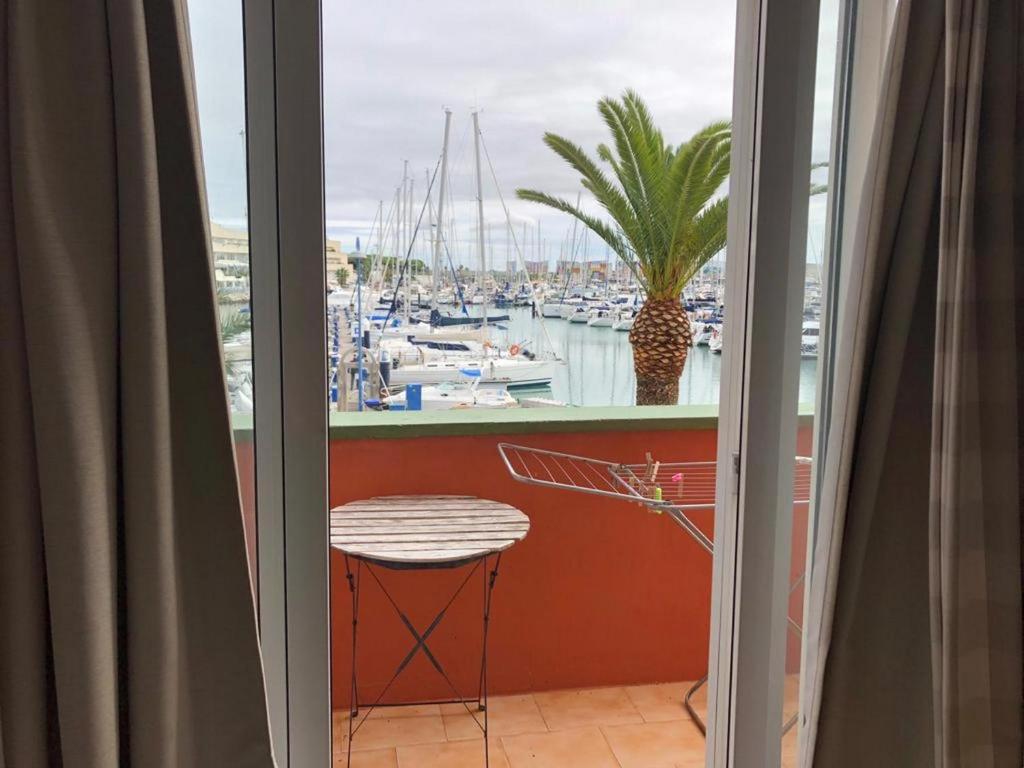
(514, 350)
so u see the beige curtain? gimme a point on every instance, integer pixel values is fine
(915, 656)
(127, 631)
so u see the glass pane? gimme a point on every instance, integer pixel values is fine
(814, 298)
(216, 28)
(440, 275)
(557, 293)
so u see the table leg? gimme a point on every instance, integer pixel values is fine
(489, 579)
(353, 587)
(421, 646)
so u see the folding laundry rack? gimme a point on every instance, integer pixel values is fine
(676, 489)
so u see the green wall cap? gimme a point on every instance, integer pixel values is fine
(371, 425)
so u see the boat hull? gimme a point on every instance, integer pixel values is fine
(551, 310)
(512, 373)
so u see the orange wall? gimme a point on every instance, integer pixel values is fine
(601, 592)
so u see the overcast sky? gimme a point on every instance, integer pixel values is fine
(391, 66)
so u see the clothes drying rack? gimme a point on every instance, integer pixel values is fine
(676, 489)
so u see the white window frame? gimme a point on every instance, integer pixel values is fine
(286, 224)
(773, 102)
(776, 52)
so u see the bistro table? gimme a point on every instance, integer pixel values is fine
(417, 533)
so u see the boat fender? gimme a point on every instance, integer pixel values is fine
(514, 350)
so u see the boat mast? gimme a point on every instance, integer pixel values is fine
(403, 228)
(480, 210)
(411, 271)
(439, 236)
(379, 259)
(536, 245)
(397, 237)
(523, 250)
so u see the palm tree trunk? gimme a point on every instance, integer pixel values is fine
(661, 340)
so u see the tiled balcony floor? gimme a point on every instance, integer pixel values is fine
(641, 726)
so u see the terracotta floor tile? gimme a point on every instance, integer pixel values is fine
(454, 754)
(508, 716)
(642, 726)
(573, 748)
(457, 709)
(659, 702)
(655, 745)
(392, 732)
(593, 706)
(791, 697)
(790, 748)
(374, 758)
(413, 710)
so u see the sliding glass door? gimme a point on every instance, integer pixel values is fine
(384, 147)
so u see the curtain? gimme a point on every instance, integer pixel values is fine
(127, 625)
(915, 640)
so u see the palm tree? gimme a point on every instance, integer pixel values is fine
(667, 223)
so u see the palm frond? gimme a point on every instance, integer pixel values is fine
(664, 200)
(595, 181)
(613, 238)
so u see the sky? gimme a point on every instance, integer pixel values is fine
(392, 66)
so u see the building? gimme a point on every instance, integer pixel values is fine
(536, 269)
(231, 262)
(597, 270)
(565, 267)
(336, 260)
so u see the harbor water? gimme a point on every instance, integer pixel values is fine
(598, 367)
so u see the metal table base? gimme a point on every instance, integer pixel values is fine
(420, 644)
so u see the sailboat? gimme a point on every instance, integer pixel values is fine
(450, 396)
(517, 366)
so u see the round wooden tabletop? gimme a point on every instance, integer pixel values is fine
(425, 531)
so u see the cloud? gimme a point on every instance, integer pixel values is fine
(390, 67)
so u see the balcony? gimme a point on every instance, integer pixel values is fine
(600, 615)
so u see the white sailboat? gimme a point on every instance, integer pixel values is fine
(809, 337)
(451, 395)
(580, 313)
(624, 319)
(715, 342)
(551, 309)
(423, 357)
(601, 316)
(511, 371)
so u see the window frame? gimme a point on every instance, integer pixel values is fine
(776, 53)
(287, 238)
(773, 104)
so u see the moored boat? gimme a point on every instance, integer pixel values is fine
(601, 316)
(580, 314)
(450, 396)
(624, 320)
(511, 371)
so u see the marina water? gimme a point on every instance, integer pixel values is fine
(599, 363)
